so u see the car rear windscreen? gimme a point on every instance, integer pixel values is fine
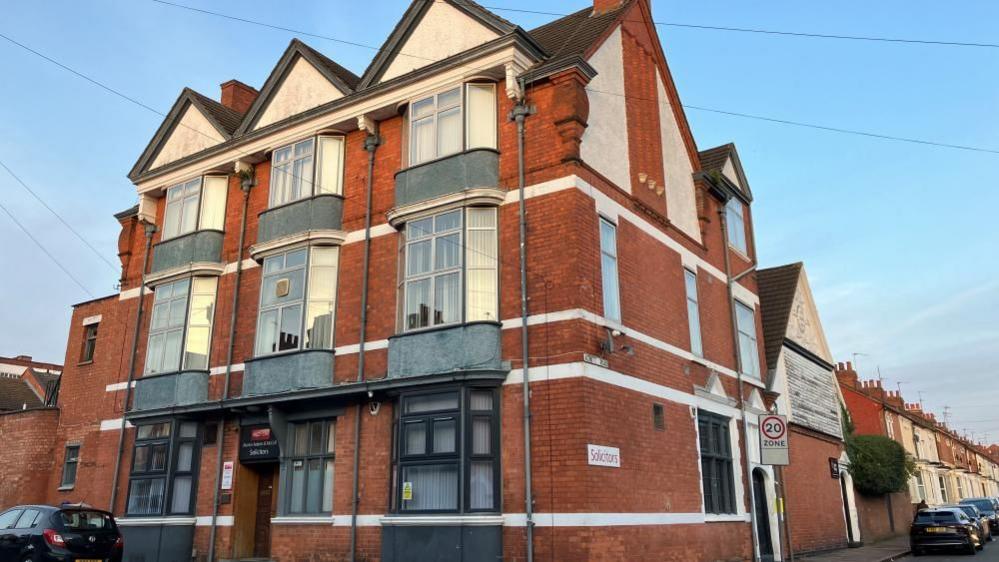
(936, 517)
(982, 505)
(86, 520)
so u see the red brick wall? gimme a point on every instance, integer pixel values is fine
(814, 500)
(866, 413)
(875, 521)
(26, 460)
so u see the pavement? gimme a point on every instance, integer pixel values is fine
(885, 551)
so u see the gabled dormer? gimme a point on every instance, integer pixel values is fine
(303, 79)
(194, 123)
(431, 32)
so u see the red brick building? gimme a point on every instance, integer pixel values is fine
(319, 349)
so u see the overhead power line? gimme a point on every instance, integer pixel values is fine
(804, 34)
(43, 249)
(58, 216)
(776, 120)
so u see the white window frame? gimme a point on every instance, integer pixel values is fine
(465, 118)
(609, 273)
(752, 336)
(693, 312)
(196, 202)
(182, 362)
(314, 183)
(735, 219)
(305, 270)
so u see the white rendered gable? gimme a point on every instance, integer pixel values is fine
(681, 202)
(803, 326)
(605, 142)
(444, 31)
(303, 88)
(192, 134)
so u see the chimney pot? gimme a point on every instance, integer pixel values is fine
(601, 6)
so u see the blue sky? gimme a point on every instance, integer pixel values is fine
(898, 239)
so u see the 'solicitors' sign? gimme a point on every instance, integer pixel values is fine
(599, 455)
(257, 443)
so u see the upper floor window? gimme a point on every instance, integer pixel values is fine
(69, 465)
(693, 313)
(297, 300)
(439, 254)
(313, 166)
(180, 330)
(437, 126)
(735, 219)
(89, 343)
(749, 353)
(448, 449)
(198, 204)
(608, 270)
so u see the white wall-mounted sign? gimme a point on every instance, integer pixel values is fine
(773, 440)
(599, 455)
(227, 468)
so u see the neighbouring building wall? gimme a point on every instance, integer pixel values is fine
(884, 517)
(814, 497)
(26, 458)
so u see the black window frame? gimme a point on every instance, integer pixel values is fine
(717, 463)
(169, 472)
(323, 456)
(68, 461)
(89, 342)
(463, 455)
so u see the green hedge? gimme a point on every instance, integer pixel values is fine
(879, 465)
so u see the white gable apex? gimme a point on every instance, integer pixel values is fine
(728, 170)
(803, 326)
(755, 402)
(193, 133)
(681, 201)
(444, 31)
(301, 89)
(716, 387)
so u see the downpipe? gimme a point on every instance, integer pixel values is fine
(730, 286)
(247, 183)
(519, 113)
(150, 229)
(371, 143)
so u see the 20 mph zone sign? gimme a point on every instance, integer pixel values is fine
(773, 440)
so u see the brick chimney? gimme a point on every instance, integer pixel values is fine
(602, 6)
(846, 375)
(238, 96)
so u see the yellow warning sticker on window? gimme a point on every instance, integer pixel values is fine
(407, 491)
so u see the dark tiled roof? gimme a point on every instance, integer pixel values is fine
(572, 35)
(15, 393)
(130, 212)
(713, 159)
(777, 286)
(348, 77)
(228, 118)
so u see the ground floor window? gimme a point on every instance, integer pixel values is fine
(716, 463)
(308, 467)
(164, 465)
(447, 452)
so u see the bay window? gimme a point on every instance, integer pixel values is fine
(297, 300)
(313, 166)
(460, 118)
(164, 468)
(749, 353)
(197, 204)
(308, 467)
(448, 451)
(440, 254)
(180, 329)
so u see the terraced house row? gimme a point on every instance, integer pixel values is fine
(487, 300)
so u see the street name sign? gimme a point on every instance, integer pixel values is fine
(773, 440)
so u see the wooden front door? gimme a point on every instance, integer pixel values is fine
(265, 502)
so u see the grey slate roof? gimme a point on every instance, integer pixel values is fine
(227, 117)
(342, 73)
(713, 161)
(572, 36)
(777, 286)
(15, 393)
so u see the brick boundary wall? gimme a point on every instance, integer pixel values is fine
(24, 467)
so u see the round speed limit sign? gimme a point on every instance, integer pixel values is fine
(774, 428)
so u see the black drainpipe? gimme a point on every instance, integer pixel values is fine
(247, 183)
(150, 229)
(371, 143)
(519, 113)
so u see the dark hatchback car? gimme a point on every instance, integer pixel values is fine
(988, 508)
(41, 533)
(982, 520)
(944, 528)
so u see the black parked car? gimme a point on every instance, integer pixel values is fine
(944, 528)
(988, 508)
(983, 521)
(41, 533)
